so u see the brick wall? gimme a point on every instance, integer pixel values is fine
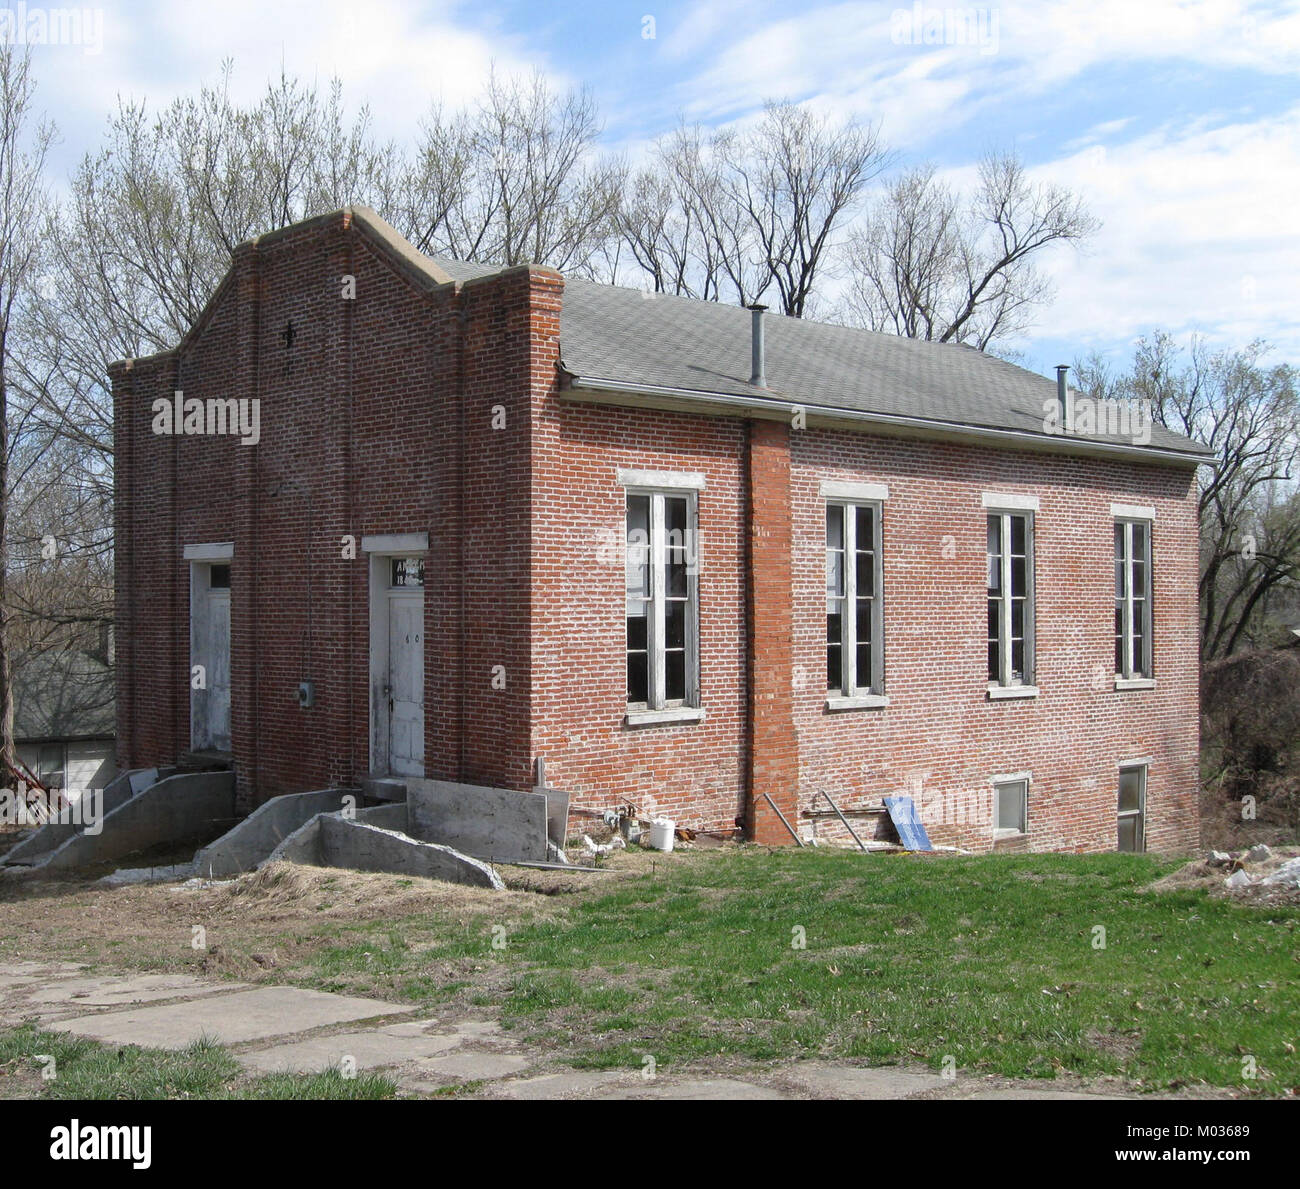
(377, 417)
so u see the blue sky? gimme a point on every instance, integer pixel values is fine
(1178, 122)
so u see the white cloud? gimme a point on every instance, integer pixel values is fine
(1201, 232)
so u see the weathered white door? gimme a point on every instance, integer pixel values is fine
(210, 658)
(406, 682)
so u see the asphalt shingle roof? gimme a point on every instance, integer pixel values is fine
(629, 336)
(62, 695)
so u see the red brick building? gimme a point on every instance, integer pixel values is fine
(380, 513)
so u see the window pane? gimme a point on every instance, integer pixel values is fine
(1010, 807)
(862, 679)
(675, 676)
(1019, 529)
(863, 621)
(1140, 535)
(636, 632)
(638, 548)
(676, 546)
(1019, 577)
(995, 633)
(865, 535)
(834, 526)
(1128, 833)
(219, 577)
(675, 625)
(995, 552)
(866, 578)
(1131, 781)
(638, 678)
(834, 669)
(834, 576)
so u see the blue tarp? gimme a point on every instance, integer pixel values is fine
(911, 830)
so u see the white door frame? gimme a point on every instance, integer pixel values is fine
(380, 550)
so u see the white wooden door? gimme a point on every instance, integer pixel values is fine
(406, 682)
(210, 658)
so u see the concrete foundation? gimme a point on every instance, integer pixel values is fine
(331, 840)
(250, 842)
(499, 825)
(31, 851)
(191, 807)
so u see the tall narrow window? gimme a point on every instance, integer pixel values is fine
(661, 601)
(1132, 808)
(1132, 598)
(854, 644)
(1010, 599)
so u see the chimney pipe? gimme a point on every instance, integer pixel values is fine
(757, 357)
(1062, 394)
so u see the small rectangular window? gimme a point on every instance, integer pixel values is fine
(1011, 806)
(218, 577)
(1132, 808)
(408, 571)
(1133, 598)
(1010, 599)
(854, 612)
(661, 601)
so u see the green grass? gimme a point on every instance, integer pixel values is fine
(991, 961)
(85, 1069)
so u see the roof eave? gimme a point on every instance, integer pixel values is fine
(775, 407)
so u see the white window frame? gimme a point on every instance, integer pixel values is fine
(1007, 507)
(1127, 677)
(1001, 782)
(1143, 766)
(853, 692)
(658, 485)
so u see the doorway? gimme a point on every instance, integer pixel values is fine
(397, 665)
(210, 656)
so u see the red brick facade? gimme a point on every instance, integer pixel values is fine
(418, 407)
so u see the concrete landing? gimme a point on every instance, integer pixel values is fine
(230, 1019)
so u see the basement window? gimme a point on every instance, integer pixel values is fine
(1132, 807)
(662, 606)
(1010, 807)
(1010, 601)
(854, 619)
(1132, 600)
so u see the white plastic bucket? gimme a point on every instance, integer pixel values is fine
(661, 833)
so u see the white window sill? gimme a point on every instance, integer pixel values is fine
(1135, 683)
(675, 714)
(998, 693)
(1007, 835)
(857, 702)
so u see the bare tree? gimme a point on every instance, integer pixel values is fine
(1249, 502)
(927, 263)
(729, 215)
(796, 178)
(516, 180)
(23, 150)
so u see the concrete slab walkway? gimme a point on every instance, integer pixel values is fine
(272, 1029)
